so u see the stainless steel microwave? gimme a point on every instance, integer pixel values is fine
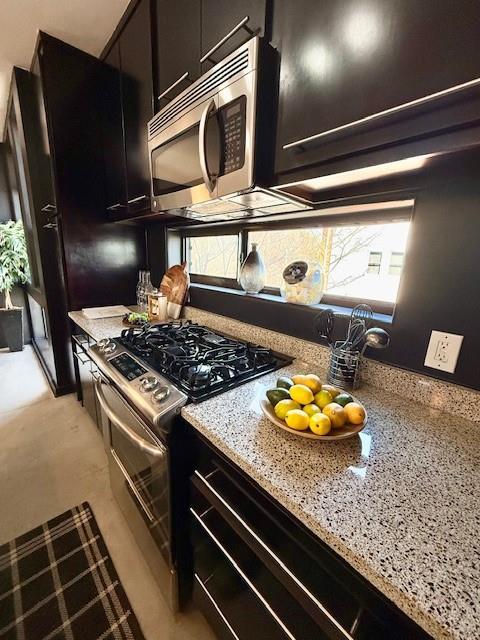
(211, 148)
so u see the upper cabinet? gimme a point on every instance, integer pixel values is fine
(127, 90)
(177, 47)
(113, 138)
(137, 99)
(357, 76)
(219, 19)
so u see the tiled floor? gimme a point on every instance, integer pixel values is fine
(52, 458)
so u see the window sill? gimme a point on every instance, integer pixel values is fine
(270, 311)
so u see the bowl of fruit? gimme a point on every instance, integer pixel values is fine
(308, 408)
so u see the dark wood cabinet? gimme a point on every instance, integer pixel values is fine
(245, 544)
(127, 106)
(113, 138)
(177, 46)
(82, 260)
(219, 18)
(137, 101)
(341, 63)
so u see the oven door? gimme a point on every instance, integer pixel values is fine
(139, 477)
(185, 159)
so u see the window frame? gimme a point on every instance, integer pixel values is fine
(243, 228)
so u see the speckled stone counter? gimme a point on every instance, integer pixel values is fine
(98, 329)
(399, 501)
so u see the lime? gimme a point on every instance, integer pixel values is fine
(275, 395)
(284, 383)
(343, 398)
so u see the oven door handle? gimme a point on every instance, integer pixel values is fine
(156, 451)
(208, 179)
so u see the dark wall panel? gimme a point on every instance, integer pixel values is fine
(440, 288)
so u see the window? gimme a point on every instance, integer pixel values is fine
(359, 262)
(396, 263)
(374, 262)
(215, 256)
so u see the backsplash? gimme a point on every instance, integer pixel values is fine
(433, 393)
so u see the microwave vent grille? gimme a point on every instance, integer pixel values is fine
(208, 84)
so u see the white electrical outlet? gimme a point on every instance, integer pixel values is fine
(443, 350)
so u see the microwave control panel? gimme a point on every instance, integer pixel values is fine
(233, 126)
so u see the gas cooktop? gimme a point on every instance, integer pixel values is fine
(198, 361)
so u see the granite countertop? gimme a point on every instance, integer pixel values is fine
(98, 329)
(398, 501)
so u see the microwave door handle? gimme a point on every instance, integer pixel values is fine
(207, 178)
(140, 443)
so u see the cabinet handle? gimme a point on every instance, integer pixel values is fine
(172, 86)
(274, 557)
(241, 25)
(243, 575)
(50, 225)
(49, 208)
(137, 199)
(215, 605)
(78, 357)
(387, 112)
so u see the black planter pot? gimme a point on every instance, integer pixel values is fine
(11, 328)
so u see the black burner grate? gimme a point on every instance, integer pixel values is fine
(199, 361)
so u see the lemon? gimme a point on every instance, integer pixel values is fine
(297, 419)
(300, 378)
(311, 409)
(333, 391)
(355, 413)
(320, 424)
(313, 382)
(322, 398)
(301, 393)
(336, 413)
(283, 406)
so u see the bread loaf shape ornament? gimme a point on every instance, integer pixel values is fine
(174, 285)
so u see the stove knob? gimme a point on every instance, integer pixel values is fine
(103, 343)
(149, 383)
(110, 347)
(160, 394)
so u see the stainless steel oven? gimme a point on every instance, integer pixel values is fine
(139, 477)
(211, 148)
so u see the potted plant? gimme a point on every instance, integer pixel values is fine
(13, 270)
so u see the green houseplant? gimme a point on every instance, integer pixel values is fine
(13, 270)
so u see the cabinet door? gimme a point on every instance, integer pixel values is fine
(112, 126)
(176, 22)
(343, 61)
(137, 98)
(219, 18)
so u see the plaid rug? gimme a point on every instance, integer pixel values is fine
(58, 581)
